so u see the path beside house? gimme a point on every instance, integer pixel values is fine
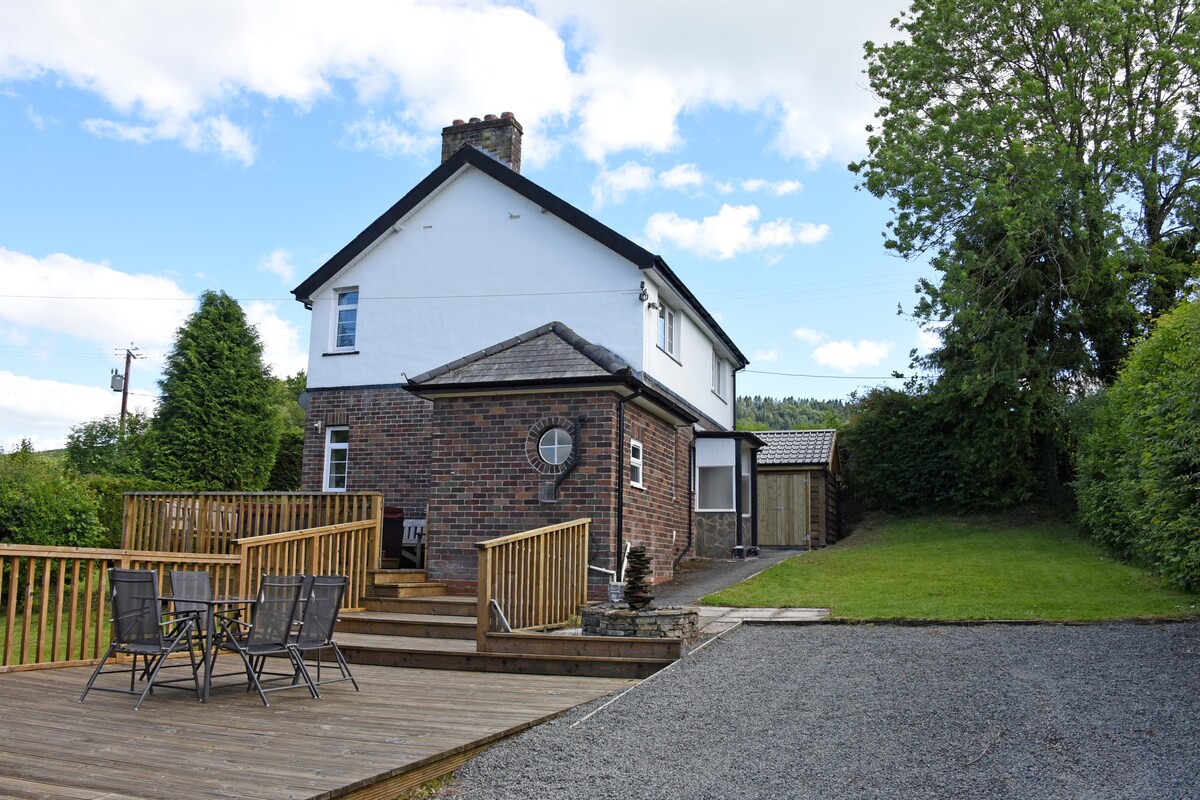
(855, 711)
(695, 579)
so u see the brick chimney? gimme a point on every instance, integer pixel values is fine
(499, 137)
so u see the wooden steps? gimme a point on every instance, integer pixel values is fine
(460, 654)
(410, 621)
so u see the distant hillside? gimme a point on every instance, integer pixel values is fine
(791, 413)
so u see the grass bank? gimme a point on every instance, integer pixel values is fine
(976, 568)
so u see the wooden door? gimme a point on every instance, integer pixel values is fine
(782, 509)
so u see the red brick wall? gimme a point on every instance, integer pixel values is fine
(389, 443)
(657, 513)
(485, 484)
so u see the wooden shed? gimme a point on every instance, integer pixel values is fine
(799, 483)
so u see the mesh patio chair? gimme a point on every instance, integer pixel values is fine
(267, 634)
(316, 627)
(142, 630)
(194, 584)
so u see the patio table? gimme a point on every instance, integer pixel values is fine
(209, 632)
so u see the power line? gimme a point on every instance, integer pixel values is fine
(833, 377)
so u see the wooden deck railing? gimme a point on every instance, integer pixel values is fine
(350, 549)
(55, 599)
(538, 578)
(208, 522)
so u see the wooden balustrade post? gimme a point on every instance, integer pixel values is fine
(483, 601)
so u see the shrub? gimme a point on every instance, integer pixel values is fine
(41, 505)
(1138, 467)
(109, 494)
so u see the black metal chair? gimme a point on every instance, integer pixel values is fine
(267, 634)
(194, 584)
(142, 630)
(317, 624)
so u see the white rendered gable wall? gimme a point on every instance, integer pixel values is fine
(478, 263)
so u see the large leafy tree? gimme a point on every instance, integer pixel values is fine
(1045, 154)
(217, 425)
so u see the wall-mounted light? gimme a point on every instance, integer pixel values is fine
(316, 426)
(643, 295)
(653, 306)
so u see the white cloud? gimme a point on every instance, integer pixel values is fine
(730, 232)
(93, 302)
(929, 337)
(765, 356)
(777, 188)
(178, 71)
(683, 176)
(282, 348)
(36, 119)
(809, 335)
(279, 263)
(850, 356)
(387, 137)
(43, 410)
(613, 186)
(209, 134)
(777, 57)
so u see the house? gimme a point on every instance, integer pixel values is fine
(799, 488)
(493, 359)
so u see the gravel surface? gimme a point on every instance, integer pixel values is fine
(839, 711)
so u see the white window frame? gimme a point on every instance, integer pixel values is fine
(338, 309)
(637, 464)
(668, 331)
(330, 448)
(719, 382)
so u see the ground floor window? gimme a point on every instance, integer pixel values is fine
(337, 458)
(635, 463)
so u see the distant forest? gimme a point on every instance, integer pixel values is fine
(791, 413)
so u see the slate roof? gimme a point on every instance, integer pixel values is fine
(550, 352)
(642, 258)
(796, 447)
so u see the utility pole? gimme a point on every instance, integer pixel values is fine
(130, 355)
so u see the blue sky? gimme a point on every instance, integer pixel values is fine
(170, 148)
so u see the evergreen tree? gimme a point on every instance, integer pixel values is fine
(217, 426)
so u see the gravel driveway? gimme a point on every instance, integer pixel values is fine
(836, 711)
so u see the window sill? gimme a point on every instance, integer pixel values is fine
(340, 353)
(669, 354)
(641, 486)
(721, 397)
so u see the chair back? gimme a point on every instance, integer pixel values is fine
(137, 609)
(275, 609)
(321, 612)
(190, 583)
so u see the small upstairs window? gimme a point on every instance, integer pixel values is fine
(346, 333)
(719, 381)
(667, 334)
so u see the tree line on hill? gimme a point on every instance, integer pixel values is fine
(759, 413)
(223, 423)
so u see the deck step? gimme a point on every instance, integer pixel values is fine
(460, 654)
(385, 623)
(445, 605)
(381, 577)
(413, 589)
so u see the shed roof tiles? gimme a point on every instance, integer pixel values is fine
(796, 447)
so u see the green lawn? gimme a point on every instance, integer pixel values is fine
(947, 568)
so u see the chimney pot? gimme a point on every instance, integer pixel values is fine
(506, 115)
(475, 119)
(489, 117)
(459, 122)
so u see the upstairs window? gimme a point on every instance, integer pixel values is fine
(337, 458)
(346, 333)
(635, 463)
(719, 381)
(667, 335)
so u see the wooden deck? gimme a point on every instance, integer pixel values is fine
(406, 726)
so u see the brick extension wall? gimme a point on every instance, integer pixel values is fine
(389, 443)
(484, 482)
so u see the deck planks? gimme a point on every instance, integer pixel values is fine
(343, 745)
